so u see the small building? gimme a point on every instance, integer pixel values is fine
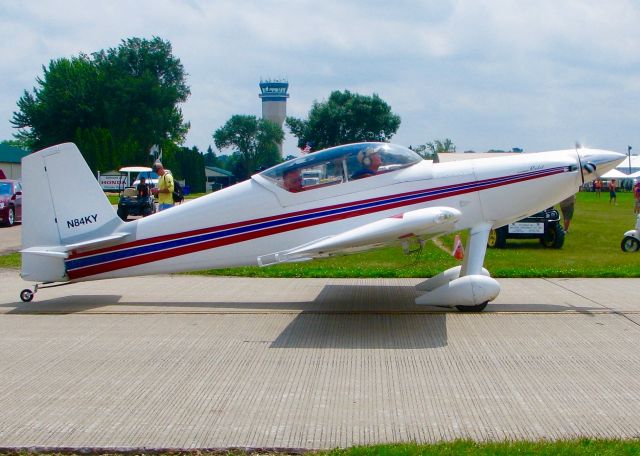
(217, 178)
(10, 161)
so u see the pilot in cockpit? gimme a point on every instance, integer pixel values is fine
(370, 161)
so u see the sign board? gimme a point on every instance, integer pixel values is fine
(112, 182)
(526, 228)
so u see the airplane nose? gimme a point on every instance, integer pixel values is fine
(596, 162)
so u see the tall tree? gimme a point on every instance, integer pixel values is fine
(210, 158)
(345, 118)
(254, 143)
(191, 163)
(142, 84)
(132, 91)
(63, 102)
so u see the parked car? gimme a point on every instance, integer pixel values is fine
(544, 226)
(10, 202)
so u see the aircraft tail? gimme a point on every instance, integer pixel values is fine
(64, 209)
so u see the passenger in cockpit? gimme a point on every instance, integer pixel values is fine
(370, 161)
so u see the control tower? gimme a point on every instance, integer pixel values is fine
(274, 101)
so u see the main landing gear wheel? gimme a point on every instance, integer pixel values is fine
(476, 308)
(26, 295)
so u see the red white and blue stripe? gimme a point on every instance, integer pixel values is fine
(84, 264)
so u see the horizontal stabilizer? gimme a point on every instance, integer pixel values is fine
(97, 242)
(62, 251)
(428, 222)
(52, 251)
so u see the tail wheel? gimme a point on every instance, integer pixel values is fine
(26, 295)
(630, 244)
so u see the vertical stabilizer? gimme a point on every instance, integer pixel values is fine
(62, 204)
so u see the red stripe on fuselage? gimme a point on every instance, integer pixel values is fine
(234, 239)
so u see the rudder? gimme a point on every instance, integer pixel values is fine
(63, 204)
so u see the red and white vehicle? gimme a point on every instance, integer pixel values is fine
(10, 202)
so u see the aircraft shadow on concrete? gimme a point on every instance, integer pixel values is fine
(64, 305)
(364, 331)
(333, 299)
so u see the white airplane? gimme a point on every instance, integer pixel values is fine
(339, 200)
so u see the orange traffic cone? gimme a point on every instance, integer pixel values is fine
(458, 250)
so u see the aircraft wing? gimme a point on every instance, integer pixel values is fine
(419, 223)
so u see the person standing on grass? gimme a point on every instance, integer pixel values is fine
(566, 207)
(165, 187)
(612, 192)
(597, 185)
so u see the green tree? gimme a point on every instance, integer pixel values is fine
(191, 164)
(63, 102)
(142, 84)
(430, 150)
(345, 118)
(444, 146)
(210, 158)
(132, 91)
(254, 143)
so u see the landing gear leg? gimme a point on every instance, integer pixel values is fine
(472, 264)
(476, 250)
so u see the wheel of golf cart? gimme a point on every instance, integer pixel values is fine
(123, 213)
(498, 238)
(630, 244)
(553, 237)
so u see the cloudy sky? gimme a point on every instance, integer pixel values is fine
(539, 74)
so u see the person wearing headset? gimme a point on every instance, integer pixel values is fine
(370, 161)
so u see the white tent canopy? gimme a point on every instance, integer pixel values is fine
(625, 165)
(615, 174)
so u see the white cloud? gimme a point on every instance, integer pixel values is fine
(492, 73)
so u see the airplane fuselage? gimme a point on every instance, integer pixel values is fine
(235, 226)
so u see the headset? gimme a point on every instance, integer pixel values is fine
(364, 156)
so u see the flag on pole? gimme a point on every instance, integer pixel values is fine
(458, 250)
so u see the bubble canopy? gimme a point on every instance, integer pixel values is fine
(338, 165)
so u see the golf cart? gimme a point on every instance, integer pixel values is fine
(544, 226)
(136, 200)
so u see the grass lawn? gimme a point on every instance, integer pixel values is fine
(591, 249)
(581, 447)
